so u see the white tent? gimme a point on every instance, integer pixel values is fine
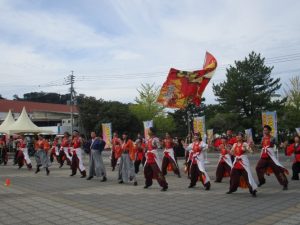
(25, 125)
(9, 120)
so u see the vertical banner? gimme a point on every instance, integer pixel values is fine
(107, 134)
(210, 136)
(298, 131)
(270, 118)
(199, 126)
(249, 135)
(147, 125)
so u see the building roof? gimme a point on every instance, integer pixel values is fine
(17, 106)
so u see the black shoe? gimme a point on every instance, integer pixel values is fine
(179, 176)
(73, 174)
(121, 182)
(262, 183)
(135, 183)
(295, 178)
(285, 188)
(83, 176)
(47, 171)
(20, 167)
(90, 177)
(37, 170)
(104, 179)
(207, 186)
(164, 189)
(253, 193)
(61, 165)
(146, 186)
(217, 181)
(191, 186)
(229, 192)
(113, 169)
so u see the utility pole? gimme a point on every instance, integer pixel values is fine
(70, 80)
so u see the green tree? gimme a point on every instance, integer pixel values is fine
(163, 124)
(93, 112)
(290, 114)
(249, 89)
(292, 93)
(181, 117)
(146, 107)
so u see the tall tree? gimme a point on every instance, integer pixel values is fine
(146, 107)
(290, 114)
(93, 112)
(292, 93)
(249, 88)
(183, 117)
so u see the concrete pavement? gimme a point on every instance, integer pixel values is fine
(61, 199)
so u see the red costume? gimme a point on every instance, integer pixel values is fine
(224, 164)
(152, 169)
(140, 154)
(3, 151)
(241, 175)
(295, 149)
(116, 151)
(169, 162)
(268, 163)
(65, 152)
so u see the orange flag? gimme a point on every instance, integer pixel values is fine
(183, 87)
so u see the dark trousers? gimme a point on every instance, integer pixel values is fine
(75, 165)
(188, 168)
(62, 158)
(152, 171)
(54, 156)
(4, 156)
(262, 166)
(137, 164)
(21, 160)
(16, 157)
(165, 163)
(235, 177)
(113, 161)
(222, 169)
(195, 173)
(296, 170)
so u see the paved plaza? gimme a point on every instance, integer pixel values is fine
(61, 199)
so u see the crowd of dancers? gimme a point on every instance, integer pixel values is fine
(128, 156)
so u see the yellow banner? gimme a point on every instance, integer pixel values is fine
(107, 134)
(147, 125)
(270, 118)
(199, 126)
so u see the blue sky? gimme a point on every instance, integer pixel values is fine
(114, 46)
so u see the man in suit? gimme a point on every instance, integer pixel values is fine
(96, 164)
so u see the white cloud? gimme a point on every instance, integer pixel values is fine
(157, 35)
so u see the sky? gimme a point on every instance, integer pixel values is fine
(114, 46)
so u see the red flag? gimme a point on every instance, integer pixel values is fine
(183, 87)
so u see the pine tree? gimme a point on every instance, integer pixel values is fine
(248, 89)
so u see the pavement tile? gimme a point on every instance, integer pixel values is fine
(60, 199)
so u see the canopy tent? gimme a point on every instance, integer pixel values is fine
(9, 120)
(25, 125)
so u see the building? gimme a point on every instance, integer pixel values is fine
(42, 114)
